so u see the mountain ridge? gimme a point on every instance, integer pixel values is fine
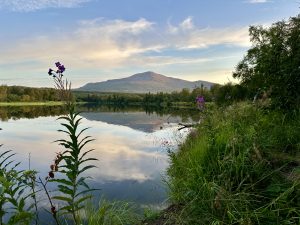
(143, 83)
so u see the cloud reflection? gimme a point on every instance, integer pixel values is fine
(120, 153)
(126, 156)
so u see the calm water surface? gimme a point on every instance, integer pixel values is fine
(130, 145)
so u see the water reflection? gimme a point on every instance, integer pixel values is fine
(163, 114)
(18, 112)
(128, 145)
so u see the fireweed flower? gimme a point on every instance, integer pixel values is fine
(50, 72)
(58, 72)
(61, 68)
(63, 86)
(200, 102)
(51, 174)
(53, 210)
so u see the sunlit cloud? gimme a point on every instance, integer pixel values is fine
(186, 35)
(33, 5)
(121, 157)
(111, 42)
(98, 42)
(257, 1)
(115, 44)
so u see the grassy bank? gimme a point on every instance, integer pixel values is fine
(240, 166)
(50, 103)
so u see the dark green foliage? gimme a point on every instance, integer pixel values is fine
(12, 188)
(229, 93)
(17, 112)
(241, 167)
(272, 64)
(27, 94)
(148, 99)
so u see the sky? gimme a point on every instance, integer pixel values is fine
(98, 40)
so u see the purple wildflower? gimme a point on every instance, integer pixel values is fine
(200, 101)
(61, 68)
(50, 72)
(57, 64)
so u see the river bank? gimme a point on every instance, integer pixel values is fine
(241, 165)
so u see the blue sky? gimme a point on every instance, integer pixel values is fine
(107, 39)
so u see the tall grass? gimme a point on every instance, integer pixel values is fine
(242, 167)
(111, 213)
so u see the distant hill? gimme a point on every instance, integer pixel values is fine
(143, 83)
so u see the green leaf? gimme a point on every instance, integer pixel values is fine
(65, 118)
(6, 158)
(16, 165)
(63, 131)
(88, 159)
(63, 141)
(70, 128)
(85, 153)
(77, 123)
(62, 181)
(86, 168)
(62, 198)
(84, 129)
(21, 204)
(7, 164)
(81, 182)
(66, 208)
(66, 190)
(82, 199)
(4, 153)
(82, 145)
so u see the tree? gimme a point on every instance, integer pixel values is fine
(272, 63)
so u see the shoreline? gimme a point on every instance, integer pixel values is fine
(50, 103)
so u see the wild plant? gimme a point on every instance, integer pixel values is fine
(17, 186)
(71, 162)
(12, 191)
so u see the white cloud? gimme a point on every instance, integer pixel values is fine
(187, 24)
(114, 44)
(257, 1)
(186, 35)
(102, 42)
(33, 5)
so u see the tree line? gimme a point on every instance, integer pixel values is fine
(27, 94)
(218, 93)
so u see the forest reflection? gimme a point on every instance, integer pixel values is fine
(30, 112)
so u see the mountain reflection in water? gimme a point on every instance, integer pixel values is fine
(128, 145)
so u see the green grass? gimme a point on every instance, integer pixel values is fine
(241, 166)
(110, 213)
(30, 103)
(49, 103)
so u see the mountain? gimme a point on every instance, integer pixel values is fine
(144, 83)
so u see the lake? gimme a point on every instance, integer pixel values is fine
(131, 145)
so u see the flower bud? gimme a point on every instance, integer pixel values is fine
(53, 210)
(51, 174)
